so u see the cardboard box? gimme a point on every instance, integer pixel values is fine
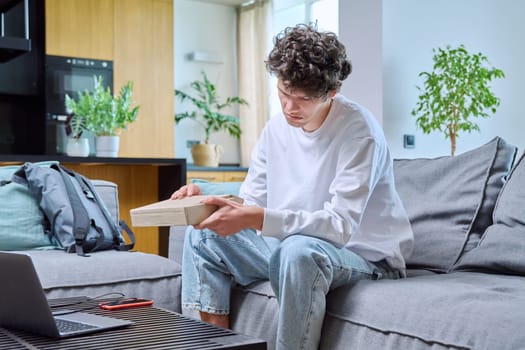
(175, 212)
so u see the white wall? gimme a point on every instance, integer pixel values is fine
(365, 83)
(410, 30)
(209, 28)
(390, 42)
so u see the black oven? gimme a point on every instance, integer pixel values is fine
(68, 75)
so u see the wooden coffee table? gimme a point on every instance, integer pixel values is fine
(154, 328)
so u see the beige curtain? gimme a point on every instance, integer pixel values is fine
(253, 26)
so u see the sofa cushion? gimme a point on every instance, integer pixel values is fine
(21, 220)
(217, 188)
(255, 311)
(135, 274)
(502, 247)
(430, 311)
(449, 200)
(459, 310)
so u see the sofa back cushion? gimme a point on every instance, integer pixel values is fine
(449, 200)
(217, 188)
(502, 246)
(108, 192)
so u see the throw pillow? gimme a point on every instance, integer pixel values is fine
(502, 246)
(217, 188)
(449, 200)
(21, 220)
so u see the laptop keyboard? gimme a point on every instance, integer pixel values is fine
(65, 326)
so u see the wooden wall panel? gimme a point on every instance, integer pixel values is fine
(80, 28)
(143, 53)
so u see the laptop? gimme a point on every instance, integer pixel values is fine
(24, 306)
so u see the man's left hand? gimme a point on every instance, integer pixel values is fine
(231, 217)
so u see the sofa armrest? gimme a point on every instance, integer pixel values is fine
(176, 243)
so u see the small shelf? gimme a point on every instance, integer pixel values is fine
(11, 47)
(5, 5)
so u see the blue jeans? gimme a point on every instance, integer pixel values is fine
(301, 270)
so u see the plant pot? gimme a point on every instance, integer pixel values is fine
(206, 154)
(77, 147)
(107, 146)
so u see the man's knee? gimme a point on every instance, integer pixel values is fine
(300, 260)
(298, 251)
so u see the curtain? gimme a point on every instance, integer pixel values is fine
(252, 38)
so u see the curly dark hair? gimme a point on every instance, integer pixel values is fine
(310, 60)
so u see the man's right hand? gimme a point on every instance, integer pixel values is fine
(186, 191)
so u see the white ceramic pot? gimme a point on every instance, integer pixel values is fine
(107, 146)
(206, 154)
(77, 147)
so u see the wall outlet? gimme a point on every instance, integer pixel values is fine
(409, 141)
(190, 143)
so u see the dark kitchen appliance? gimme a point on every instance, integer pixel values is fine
(68, 75)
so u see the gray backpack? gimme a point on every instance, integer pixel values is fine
(77, 217)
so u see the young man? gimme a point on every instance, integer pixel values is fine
(320, 206)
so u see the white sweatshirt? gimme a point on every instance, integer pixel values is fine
(335, 183)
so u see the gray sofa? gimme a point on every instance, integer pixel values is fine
(465, 288)
(133, 274)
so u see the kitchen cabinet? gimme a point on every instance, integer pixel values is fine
(212, 176)
(137, 35)
(143, 52)
(233, 176)
(217, 174)
(80, 28)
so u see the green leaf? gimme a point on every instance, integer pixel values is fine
(208, 108)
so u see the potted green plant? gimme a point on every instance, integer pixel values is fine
(456, 90)
(77, 145)
(104, 114)
(209, 116)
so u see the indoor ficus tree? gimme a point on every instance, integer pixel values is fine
(456, 90)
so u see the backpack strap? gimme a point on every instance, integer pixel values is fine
(81, 220)
(123, 225)
(117, 229)
(91, 192)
